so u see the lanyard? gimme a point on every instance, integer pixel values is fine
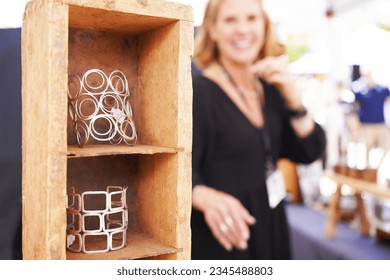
(269, 164)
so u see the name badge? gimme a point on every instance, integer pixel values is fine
(276, 188)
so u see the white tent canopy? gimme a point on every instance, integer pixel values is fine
(367, 45)
(317, 62)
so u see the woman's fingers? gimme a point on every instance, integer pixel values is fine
(219, 233)
(227, 218)
(232, 221)
(237, 232)
(243, 220)
(226, 229)
(272, 69)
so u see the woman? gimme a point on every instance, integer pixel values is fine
(247, 114)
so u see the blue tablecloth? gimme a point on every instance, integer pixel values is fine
(308, 239)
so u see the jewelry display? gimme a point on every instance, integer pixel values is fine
(96, 215)
(99, 107)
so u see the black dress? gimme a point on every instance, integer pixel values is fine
(228, 154)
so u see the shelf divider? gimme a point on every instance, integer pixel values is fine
(105, 150)
(139, 246)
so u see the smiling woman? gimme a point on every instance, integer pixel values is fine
(247, 114)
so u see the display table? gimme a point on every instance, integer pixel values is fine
(308, 242)
(358, 186)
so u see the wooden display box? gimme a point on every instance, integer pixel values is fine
(152, 43)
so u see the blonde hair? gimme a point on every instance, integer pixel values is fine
(206, 51)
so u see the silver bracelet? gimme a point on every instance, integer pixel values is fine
(99, 107)
(106, 223)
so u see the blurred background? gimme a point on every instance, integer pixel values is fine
(324, 37)
(327, 42)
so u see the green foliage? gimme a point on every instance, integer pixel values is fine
(385, 27)
(294, 52)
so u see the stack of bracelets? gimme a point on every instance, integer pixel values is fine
(99, 107)
(95, 216)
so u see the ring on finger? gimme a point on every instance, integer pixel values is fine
(223, 227)
(228, 221)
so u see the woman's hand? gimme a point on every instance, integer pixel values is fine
(275, 71)
(227, 218)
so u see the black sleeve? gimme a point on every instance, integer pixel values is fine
(300, 150)
(303, 150)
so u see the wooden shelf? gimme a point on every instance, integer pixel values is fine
(359, 184)
(106, 150)
(134, 37)
(139, 246)
(128, 16)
